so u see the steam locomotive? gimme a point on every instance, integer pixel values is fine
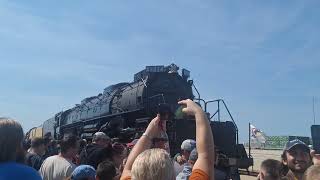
(124, 110)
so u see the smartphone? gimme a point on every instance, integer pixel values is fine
(315, 134)
(165, 111)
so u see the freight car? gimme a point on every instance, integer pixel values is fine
(35, 132)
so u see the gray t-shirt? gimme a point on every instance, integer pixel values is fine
(177, 168)
(56, 168)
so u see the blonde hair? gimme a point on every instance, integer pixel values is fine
(154, 164)
(11, 136)
(313, 172)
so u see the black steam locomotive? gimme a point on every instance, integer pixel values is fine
(124, 110)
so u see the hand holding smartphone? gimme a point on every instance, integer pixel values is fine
(164, 111)
(315, 134)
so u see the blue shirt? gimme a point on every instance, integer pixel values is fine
(16, 171)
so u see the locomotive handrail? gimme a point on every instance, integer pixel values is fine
(218, 112)
(214, 114)
(199, 98)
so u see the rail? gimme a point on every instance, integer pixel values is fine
(219, 101)
(248, 173)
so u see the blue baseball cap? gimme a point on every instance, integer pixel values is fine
(82, 172)
(296, 142)
(188, 145)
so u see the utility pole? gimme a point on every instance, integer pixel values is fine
(249, 139)
(314, 115)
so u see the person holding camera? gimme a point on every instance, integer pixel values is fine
(144, 163)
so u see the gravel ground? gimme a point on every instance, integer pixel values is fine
(259, 156)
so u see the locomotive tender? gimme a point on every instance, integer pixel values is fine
(124, 110)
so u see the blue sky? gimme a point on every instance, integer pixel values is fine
(262, 57)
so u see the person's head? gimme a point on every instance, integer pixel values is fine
(296, 156)
(38, 146)
(101, 139)
(312, 173)
(193, 157)
(48, 135)
(161, 143)
(83, 172)
(69, 146)
(82, 144)
(186, 147)
(270, 170)
(11, 137)
(153, 164)
(47, 140)
(53, 143)
(118, 154)
(106, 170)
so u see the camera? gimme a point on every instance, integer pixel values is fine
(165, 111)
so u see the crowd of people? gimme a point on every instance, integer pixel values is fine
(143, 159)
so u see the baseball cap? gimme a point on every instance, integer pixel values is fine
(293, 143)
(188, 145)
(193, 155)
(82, 172)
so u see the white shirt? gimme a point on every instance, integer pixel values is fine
(56, 168)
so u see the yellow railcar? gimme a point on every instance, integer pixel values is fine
(34, 132)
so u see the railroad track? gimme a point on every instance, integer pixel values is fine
(248, 173)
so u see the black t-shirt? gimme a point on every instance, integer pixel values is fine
(34, 160)
(94, 154)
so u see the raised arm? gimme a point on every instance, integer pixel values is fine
(204, 138)
(143, 144)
